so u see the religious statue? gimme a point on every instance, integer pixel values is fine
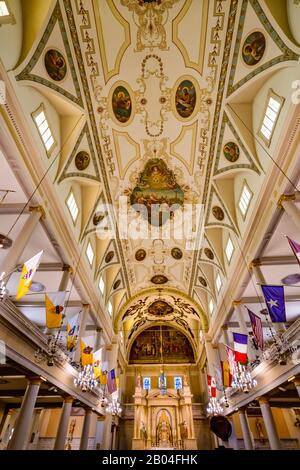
(163, 431)
(143, 432)
(185, 380)
(183, 430)
(139, 380)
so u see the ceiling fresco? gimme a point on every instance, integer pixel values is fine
(152, 84)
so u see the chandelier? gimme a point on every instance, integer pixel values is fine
(86, 379)
(113, 407)
(214, 407)
(242, 380)
(162, 380)
(53, 354)
(3, 290)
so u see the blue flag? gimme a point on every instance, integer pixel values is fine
(274, 298)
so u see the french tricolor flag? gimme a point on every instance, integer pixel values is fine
(240, 347)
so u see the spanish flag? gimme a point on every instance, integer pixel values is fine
(72, 332)
(98, 363)
(86, 354)
(55, 302)
(28, 272)
(226, 375)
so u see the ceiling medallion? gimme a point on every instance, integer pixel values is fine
(140, 255)
(117, 284)
(159, 308)
(121, 104)
(218, 213)
(98, 218)
(291, 279)
(176, 253)
(185, 99)
(231, 152)
(208, 253)
(202, 281)
(159, 279)
(109, 256)
(156, 186)
(82, 160)
(254, 48)
(55, 65)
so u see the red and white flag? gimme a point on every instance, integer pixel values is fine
(212, 388)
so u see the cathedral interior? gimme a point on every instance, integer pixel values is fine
(149, 217)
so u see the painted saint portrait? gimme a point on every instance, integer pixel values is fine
(218, 213)
(55, 64)
(231, 152)
(159, 279)
(202, 281)
(156, 192)
(109, 256)
(98, 217)
(160, 308)
(176, 347)
(185, 99)
(82, 160)
(117, 284)
(121, 104)
(208, 253)
(140, 255)
(254, 48)
(176, 253)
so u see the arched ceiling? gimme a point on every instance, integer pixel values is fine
(152, 92)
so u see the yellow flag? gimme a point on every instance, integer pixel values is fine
(103, 378)
(54, 309)
(86, 354)
(97, 363)
(28, 272)
(118, 382)
(72, 332)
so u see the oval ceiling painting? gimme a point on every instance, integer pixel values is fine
(176, 253)
(231, 152)
(254, 48)
(55, 64)
(140, 255)
(82, 160)
(121, 104)
(117, 284)
(160, 307)
(185, 99)
(159, 279)
(109, 256)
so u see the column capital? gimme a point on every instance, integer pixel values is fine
(68, 399)
(67, 268)
(100, 418)
(242, 409)
(254, 263)
(224, 327)
(284, 198)
(34, 380)
(39, 210)
(296, 381)
(262, 400)
(85, 306)
(99, 329)
(236, 303)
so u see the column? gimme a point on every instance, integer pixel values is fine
(245, 429)
(34, 432)
(63, 424)
(84, 441)
(19, 438)
(225, 332)
(296, 382)
(67, 271)
(98, 339)
(82, 327)
(269, 423)
(99, 432)
(287, 202)
(12, 259)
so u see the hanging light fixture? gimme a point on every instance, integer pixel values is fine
(214, 407)
(54, 353)
(114, 408)
(3, 290)
(162, 380)
(86, 379)
(242, 380)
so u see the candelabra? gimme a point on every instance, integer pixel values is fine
(3, 290)
(242, 379)
(113, 407)
(214, 407)
(86, 379)
(54, 353)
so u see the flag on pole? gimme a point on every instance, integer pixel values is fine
(218, 377)
(111, 381)
(257, 329)
(28, 272)
(103, 377)
(211, 384)
(240, 347)
(226, 374)
(54, 302)
(86, 354)
(231, 359)
(274, 298)
(98, 363)
(118, 382)
(72, 332)
(295, 248)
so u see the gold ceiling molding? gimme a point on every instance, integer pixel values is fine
(180, 18)
(164, 291)
(109, 258)
(188, 159)
(117, 136)
(211, 221)
(205, 259)
(152, 17)
(98, 8)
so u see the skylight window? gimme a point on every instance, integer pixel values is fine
(218, 282)
(245, 199)
(211, 306)
(44, 129)
(110, 308)
(101, 285)
(72, 206)
(90, 253)
(272, 111)
(229, 249)
(3, 9)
